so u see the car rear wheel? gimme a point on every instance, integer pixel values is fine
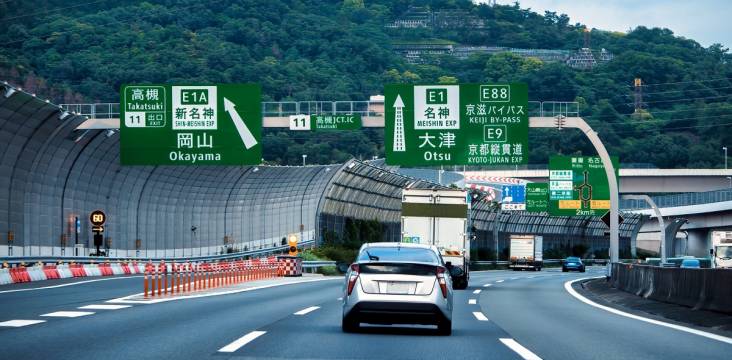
(444, 327)
(348, 325)
(582, 270)
(564, 269)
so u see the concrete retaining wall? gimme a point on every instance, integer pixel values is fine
(708, 289)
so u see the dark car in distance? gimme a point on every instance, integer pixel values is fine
(573, 264)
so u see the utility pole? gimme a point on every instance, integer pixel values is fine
(725, 156)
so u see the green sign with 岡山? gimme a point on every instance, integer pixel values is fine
(578, 186)
(190, 124)
(537, 197)
(467, 124)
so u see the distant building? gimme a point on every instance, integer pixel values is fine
(419, 17)
(419, 53)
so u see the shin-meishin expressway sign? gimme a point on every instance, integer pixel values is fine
(191, 125)
(468, 124)
(578, 186)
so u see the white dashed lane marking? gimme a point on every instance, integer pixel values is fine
(104, 307)
(472, 302)
(68, 314)
(499, 281)
(476, 291)
(307, 310)
(20, 323)
(487, 285)
(238, 343)
(525, 353)
(479, 315)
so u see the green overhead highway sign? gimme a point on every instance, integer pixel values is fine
(467, 124)
(537, 197)
(190, 124)
(325, 122)
(578, 186)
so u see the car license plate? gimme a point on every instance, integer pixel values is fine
(397, 287)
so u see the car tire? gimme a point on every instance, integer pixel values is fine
(445, 327)
(564, 269)
(349, 326)
(582, 270)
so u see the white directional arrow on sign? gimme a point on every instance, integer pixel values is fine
(399, 141)
(241, 127)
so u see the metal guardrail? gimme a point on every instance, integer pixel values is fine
(101, 259)
(547, 261)
(695, 198)
(316, 264)
(363, 108)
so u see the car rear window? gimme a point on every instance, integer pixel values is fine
(573, 259)
(399, 254)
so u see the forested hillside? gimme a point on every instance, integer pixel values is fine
(342, 50)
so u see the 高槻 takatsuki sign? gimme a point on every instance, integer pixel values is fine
(190, 124)
(467, 124)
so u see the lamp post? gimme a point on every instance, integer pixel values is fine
(304, 156)
(725, 156)
(659, 217)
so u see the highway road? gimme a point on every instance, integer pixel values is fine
(502, 315)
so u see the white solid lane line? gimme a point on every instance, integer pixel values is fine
(487, 285)
(69, 284)
(476, 291)
(479, 315)
(68, 314)
(238, 343)
(103, 307)
(307, 310)
(571, 291)
(19, 323)
(472, 301)
(514, 278)
(517, 348)
(499, 281)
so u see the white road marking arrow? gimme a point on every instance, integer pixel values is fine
(241, 127)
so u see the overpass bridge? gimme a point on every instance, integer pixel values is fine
(691, 219)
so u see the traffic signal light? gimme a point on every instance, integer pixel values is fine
(292, 242)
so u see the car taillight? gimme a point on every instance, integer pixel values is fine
(352, 278)
(441, 280)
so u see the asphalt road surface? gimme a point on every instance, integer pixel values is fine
(517, 315)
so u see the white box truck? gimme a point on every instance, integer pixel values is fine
(526, 252)
(722, 249)
(439, 217)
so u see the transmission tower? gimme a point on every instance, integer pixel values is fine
(638, 97)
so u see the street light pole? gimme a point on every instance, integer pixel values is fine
(659, 217)
(304, 156)
(725, 156)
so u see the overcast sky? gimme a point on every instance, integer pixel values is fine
(706, 21)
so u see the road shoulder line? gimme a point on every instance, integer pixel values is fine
(575, 294)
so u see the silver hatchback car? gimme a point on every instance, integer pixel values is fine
(398, 283)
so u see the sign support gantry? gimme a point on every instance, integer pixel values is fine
(579, 123)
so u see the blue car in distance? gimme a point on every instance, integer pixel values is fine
(573, 263)
(691, 263)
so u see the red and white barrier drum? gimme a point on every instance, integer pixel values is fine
(289, 265)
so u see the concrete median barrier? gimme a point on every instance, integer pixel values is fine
(707, 289)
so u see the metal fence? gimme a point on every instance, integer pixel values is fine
(90, 259)
(695, 198)
(363, 108)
